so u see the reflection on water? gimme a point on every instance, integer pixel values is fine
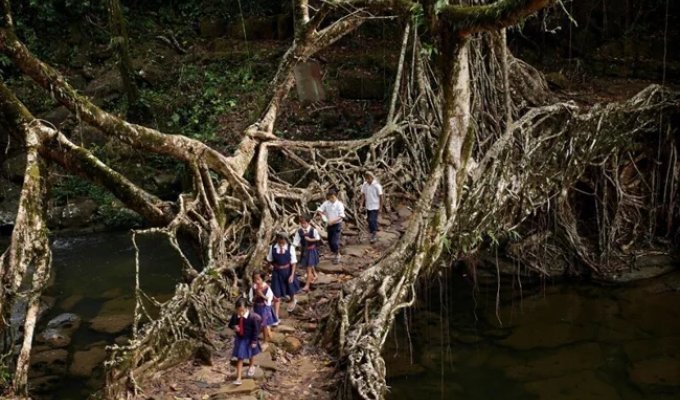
(568, 341)
(94, 279)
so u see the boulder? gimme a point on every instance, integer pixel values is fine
(44, 384)
(77, 213)
(105, 86)
(49, 362)
(54, 338)
(292, 344)
(84, 362)
(66, 322)
(71, 301)
(115, 316)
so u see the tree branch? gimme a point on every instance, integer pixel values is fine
(468, 20)
(81, 161)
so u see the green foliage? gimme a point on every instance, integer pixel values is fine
(119, 218)
(5, 376)
(71, 187)
(197, 112)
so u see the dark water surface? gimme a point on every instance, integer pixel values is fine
(94, 276)
(567, 341)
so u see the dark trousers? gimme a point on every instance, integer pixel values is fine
(372, 216)
(334, 232)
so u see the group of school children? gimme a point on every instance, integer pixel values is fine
(266, 299)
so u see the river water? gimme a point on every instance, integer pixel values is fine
(556, 342)
(94, 277)
(568, 341)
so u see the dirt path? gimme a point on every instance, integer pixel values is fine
(291, 367)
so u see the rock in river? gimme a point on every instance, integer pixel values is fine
(115, 316)
(84, 362)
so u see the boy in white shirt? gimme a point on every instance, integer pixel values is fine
(334, 211)
(372, 195)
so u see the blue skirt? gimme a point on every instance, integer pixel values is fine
(310, 258)
(267, 314)
(280, 285)
(243, 350)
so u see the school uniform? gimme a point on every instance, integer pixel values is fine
(333, 210)
(262, 306)
(310, 252)
(372, 192)
(282, 258)
(246, 335)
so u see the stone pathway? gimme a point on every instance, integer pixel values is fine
(292, 366)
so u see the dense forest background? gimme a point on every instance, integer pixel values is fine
(203, 67)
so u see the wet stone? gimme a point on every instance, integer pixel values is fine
(49, 362)
(115, 316)
(84, 362)
(71, 301)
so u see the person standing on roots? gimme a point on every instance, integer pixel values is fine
(283, 261)
(246, 324)
(372, 197)
(307, 238)
(262, 296)
(334, 211)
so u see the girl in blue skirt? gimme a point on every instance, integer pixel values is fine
(261, 296)
(247, 325)
(307, 238)
(283, 261)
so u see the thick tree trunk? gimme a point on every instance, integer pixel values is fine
(25, 265)
(120, 42)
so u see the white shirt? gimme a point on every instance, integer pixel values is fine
(268, 295)
(297, 239)
(279, 250)
(372, 193)
(332, 210)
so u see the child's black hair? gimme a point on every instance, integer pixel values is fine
(304, 217)
(257, 273)
(331, 192)
(241, 302)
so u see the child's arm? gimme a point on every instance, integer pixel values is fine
(269, 295)
(293, 264)
(233, 322)
(254, 330)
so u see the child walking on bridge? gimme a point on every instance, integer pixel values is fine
(283, 261)
(307, 239)
(334, 211)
